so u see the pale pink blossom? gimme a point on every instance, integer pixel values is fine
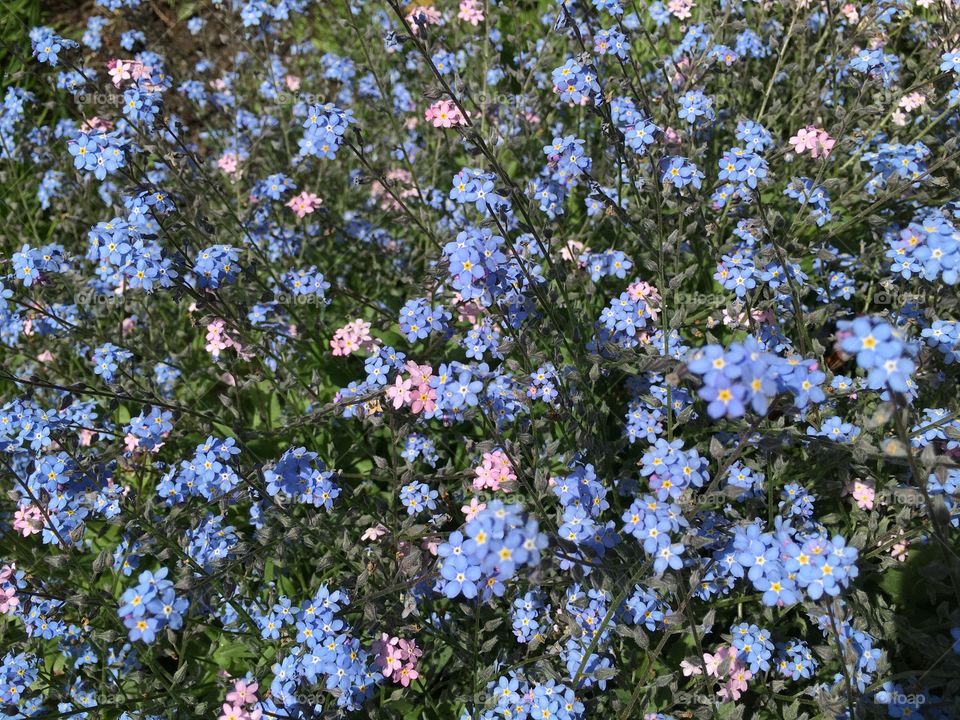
(431, 545)
(423, 399)
(572, 251)
(242, 693)
(232, 712)
(899, 549)
(304, 203)
(401, 185)
(352, 337)
(423, 15)
(467, 310)
(96, 123)
(8, 589)
(471, 12)
(850, 13)
(680, 9)
(120, 70)
(641, 290)
(912, 101)
(444, 114)
(219, 340)
(420, 374)
(494, 469)
(736, 684)
(28, 520)
(863, 492)
(228, 163)
(292, 82)
(374, 533)
(473, 509)
(671, 137)
(397, 658)
(813, 139)
(399, 392)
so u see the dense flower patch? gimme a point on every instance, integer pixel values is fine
(481, 360)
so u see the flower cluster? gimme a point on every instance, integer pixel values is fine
(480, 360)
(397, 658)
(151, 606)
(493, 546)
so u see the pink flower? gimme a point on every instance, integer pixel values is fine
(304, 203)
(689, 668)
(45, 357)
(680, 9)
(232, 712)
(96, 123)
(572, 251)
(814, 139)
(242, 693)
(420, 374)
(473, 509)
(471, 12)
(718, 663)
(735, 685)
(495, 468)
(863, 493)
(424, 399)
(444, 114)
(431, 545)
(899, 549)
(8, 589)
(641, 290)
(912, 101)
(467, 310)
(408, 675)
(850, 13)
(399, 392)
(228, 163)
(28, 520)
(293, 82)
(119, 72)
(218, 340)
(401, 185)
(374, 533)
(352, 337)
(397, 658)
(425, 15)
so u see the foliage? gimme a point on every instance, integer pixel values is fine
(491, 360)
